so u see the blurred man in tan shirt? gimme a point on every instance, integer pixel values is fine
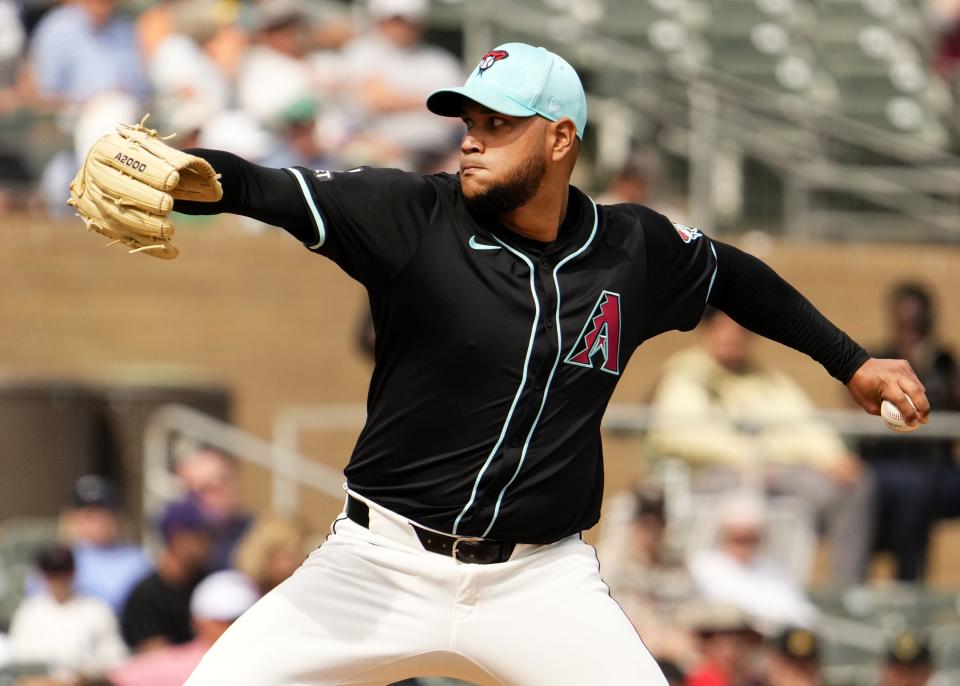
(717, 409)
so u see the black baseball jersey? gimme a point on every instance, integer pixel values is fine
(496, 356)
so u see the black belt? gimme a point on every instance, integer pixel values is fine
(463, 548)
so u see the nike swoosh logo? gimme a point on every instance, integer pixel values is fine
(481, 246)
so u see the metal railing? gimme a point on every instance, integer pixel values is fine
(290, 469)
(172, 422)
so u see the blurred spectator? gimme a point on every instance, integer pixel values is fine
(944, 18)
(918, 479)
(215, 604)
(390, 71)
(75, 635)
(727, 643)
(275, 73)
(107, 568)
(157, 612)
(299, 143)
(908, 662)
(271, 551)
(649, 582)
(5, 656)
(82, 49)
(12, 40)
(96, 117)
(235, 131)
(154, 25)
(749, 418)
(211, 480)
(183, 73)
(630, 184)
(736, 572)
(795, 660)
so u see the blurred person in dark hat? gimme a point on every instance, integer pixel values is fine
(107, 567)
(157, 613)
(75, 635)
(728, 642)
(909, 661)
(794, 660)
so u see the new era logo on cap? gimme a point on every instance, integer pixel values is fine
(519, 80)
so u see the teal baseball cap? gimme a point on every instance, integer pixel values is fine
(519, 80)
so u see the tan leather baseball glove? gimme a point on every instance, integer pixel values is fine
(128, 182)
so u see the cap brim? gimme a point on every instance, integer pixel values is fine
(448, 102)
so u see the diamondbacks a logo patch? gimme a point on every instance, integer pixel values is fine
(686, 233)
(600, 337)
(490, 59)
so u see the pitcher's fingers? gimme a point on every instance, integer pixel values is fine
(915, 399)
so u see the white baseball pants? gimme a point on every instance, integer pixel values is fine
(371, 606)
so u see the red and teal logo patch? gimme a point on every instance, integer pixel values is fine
(600, 339)
(490, 59)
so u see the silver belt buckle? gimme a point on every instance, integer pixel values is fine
(462, 539)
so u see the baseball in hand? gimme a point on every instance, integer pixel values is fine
(893, 419)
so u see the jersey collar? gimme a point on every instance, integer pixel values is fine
(576, 226)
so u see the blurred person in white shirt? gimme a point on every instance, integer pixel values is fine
(182, 69)
(76, 636)
(275, 72)
(737, 573)
(389, 71)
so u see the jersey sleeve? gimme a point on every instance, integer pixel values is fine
(369, 221)
(681, 266)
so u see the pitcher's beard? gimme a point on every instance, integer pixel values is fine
(513, 192)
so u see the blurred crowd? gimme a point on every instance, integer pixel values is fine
(317, 83)
(712, 557)
(100, 609)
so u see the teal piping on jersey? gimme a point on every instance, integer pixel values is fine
(516, 398)
(713, 277)
(556, 363)
(317, 218)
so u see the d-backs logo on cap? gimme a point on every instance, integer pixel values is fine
(490, 59)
